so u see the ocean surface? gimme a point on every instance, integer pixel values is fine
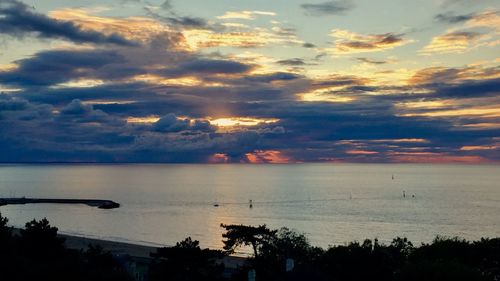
(330, 203)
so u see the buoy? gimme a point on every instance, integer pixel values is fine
(250, 203)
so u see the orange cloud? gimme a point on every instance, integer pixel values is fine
(479, 147)
(361, 152)
(402, 140)
(431, 157)
(218, 158)
(267, 156)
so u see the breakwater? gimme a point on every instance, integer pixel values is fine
(101, 204)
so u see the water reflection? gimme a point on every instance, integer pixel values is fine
(163, 204)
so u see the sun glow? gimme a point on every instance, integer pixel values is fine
(146, 119)
(324, 96)
(240, 121)
(82, 83)
(187, 81)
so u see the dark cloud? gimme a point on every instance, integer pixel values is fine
(292, 62)
(453, 18)
(468, 89)
(170, 123)
(327, 130)
(173, 19)
(369, 42)
(309, 45)
(12, 103)
(19, 20)
(76, 107)
(166, 5)
(53, 67)
(211, 66)
(371, 61)
(266, 78)
(338, 7)
(468, 3)
(461, 35)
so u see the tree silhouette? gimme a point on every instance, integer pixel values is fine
(238, 235)
(5, 231)
(39, 238)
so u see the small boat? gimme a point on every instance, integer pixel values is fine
(216, 205)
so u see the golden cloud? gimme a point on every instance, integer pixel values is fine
(247, 38)
(453, 75)
(460, 41)
(245, 15)
(133, 28)
(348, 42)
(453, 42)
(489, 19)
(493, 112)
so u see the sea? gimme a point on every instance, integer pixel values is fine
(332, 204)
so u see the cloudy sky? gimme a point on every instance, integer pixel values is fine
(249, 81)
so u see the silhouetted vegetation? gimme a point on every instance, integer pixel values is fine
(238, 235)
(186, 261)
(443, 259)
(38, 253)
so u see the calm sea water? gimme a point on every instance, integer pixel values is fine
(330, 203)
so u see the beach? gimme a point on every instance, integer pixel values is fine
(142, 252)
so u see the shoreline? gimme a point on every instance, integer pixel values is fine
(118, 249)
(114, 247)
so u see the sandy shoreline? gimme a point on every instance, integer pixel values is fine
(129, 249)
(116, 248)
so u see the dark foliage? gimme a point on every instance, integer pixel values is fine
(244, 235)
(37, 253)
(444, 259)
(186, 261)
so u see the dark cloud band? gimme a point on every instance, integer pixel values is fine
(19, 20)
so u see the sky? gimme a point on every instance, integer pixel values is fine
(250, 81)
